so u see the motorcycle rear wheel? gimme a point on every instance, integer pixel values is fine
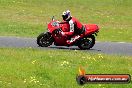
(87, 43)
(45, 39)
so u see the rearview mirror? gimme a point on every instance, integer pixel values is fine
(53, 18)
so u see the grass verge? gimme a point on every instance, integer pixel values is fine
(35, 68)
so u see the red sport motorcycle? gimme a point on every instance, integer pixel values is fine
(86, 40)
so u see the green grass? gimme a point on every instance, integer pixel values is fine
(35, 68)
(28, 17)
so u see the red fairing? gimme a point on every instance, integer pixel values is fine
(51, 28)
(91, 28)
(60, 40)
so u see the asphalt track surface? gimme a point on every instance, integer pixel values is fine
(118, 48)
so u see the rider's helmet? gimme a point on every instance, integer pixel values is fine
(66, 15)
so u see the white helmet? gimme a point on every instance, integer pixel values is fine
(66, 14)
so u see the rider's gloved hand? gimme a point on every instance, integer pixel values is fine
(58, 21)
(62, 33)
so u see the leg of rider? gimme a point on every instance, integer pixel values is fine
(73, 39)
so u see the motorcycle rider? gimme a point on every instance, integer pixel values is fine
(76, 28)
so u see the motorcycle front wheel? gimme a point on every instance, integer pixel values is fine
(45, 39)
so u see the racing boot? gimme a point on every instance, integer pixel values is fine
(72, 40)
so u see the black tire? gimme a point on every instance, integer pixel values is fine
(87, 43)
(45, 39)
